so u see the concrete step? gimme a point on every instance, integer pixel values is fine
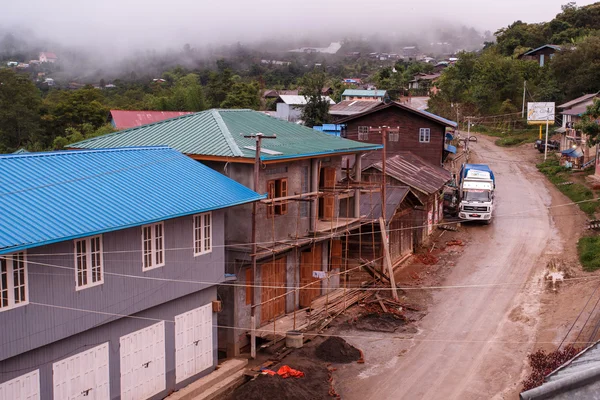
(229, 371)
(224, 387)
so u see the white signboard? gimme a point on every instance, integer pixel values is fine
(538, 113)
(319, 274)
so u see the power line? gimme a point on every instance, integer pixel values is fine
(254, 285)
(283, 333)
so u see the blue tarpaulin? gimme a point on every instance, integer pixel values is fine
(450, 148)
(573, 153)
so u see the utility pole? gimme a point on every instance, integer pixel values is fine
(258, 137)
(384, 131)
(546, 146)
(523, 107)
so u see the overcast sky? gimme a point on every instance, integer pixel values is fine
(152, 23)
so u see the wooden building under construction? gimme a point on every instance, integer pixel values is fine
(299, 228)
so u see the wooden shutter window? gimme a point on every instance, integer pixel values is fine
(270, 195)
(284, 193)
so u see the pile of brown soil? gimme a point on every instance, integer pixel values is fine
(382, 322)
(337, 350)
(313, 385)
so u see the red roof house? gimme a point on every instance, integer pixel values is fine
(122, 119)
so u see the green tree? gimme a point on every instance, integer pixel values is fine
(219, 84)
(19, 111)
(578, 70)
(316, 110)
(243, 95)
(589, 122)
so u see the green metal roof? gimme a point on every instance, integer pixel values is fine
(220, 133)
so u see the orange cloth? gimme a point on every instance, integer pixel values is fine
(286, 372)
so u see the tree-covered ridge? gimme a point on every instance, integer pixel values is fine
(571, 25)
(492, 81)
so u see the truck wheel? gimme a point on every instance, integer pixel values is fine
(488, 221)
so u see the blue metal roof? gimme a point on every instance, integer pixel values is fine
(364, 93)
(441, 119)
(56, 196)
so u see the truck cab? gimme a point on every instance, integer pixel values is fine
(476, 192)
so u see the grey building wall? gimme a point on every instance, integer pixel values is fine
(51, 278)
(42, 358)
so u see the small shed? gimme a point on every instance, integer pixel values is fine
(426, 180)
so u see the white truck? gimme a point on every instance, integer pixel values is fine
(476, 193)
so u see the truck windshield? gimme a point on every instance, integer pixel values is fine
(476, 195)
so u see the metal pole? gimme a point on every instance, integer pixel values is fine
(523, 108)
(468, 133)
(546, 146)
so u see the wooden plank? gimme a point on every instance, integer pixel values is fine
(296, 196)
(386, 258)
(380, 300)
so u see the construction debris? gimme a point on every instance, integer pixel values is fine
(455, 243)
(426, 259)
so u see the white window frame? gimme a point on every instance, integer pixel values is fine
(7, 281)
(363, 133)
(88, 257)
(394, 137)
(156, 253)
(424, 135)
(202, 242)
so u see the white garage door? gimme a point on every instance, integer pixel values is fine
(143, 363)
(83, 376)
(24, 387)
(193, 342)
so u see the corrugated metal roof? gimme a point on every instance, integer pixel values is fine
(219, 133)
(299, 100)
(575, 379)
(415, 172)
(123, 119)
(56, 196)
(364, 93)
(575, 110)
(370, 205)
(578, 100)
(552, 46)
(425, 114)
(351, 107)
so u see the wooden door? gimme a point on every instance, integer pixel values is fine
(407, 234)
(273, 280)
(329, 177)
(310, 261)
(335, 261)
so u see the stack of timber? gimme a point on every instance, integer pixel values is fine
(321, 312)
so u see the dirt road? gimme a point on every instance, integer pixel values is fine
(473, 342)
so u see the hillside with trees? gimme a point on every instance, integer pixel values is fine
(491, 81)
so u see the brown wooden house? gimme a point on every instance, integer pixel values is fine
(420, 132)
